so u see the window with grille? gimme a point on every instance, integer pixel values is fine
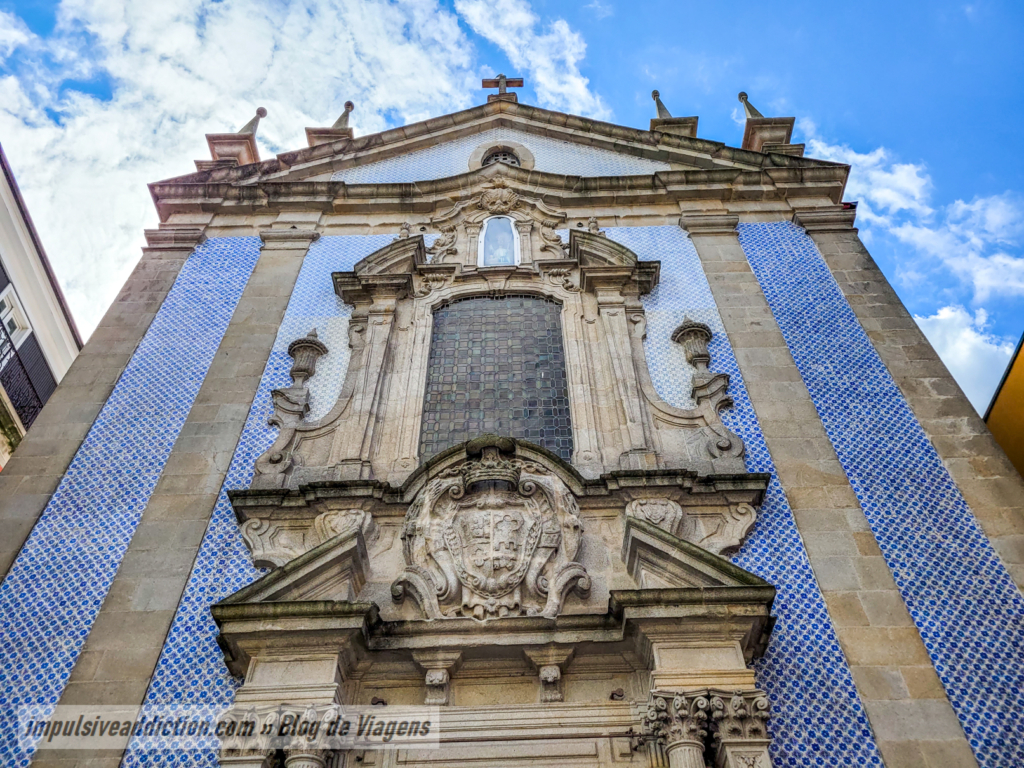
(497, 365)
(506, 156)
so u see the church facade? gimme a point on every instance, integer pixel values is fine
(605, 446)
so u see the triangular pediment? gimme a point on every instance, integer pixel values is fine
(658, 560)
(335, 570)
(443, 147)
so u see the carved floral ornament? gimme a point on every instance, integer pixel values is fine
(493, 537)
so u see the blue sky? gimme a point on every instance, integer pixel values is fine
(924, 99)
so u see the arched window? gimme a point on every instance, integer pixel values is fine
(499, 243)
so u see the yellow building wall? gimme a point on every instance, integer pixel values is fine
(1006, 415)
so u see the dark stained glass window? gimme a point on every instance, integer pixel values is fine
(497, 365)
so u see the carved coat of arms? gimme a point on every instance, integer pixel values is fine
(493, 537)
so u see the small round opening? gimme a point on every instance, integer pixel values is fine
(501, 155)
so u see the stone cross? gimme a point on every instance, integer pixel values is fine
(502, 83)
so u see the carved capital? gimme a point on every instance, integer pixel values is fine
(740, 715)
(678, 719)
(838, 218)
(709, 223)
(741, 728)
(288, 239)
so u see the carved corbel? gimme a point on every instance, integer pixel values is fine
(291, 404)
(741, 728)
(550, 661)
(439, 667)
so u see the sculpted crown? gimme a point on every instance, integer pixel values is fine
(491, 467)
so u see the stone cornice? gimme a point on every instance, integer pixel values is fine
(431, 197)
(174, 238)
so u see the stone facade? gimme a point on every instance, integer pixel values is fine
(714, 567)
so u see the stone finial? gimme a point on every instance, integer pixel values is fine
(231, 149)
(252, 125)
(768, 134)
(665, 123)
(749, 109)
(663, 113)
(342, 122)
(695, 338)
(305, 351)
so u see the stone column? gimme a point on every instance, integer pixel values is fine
(313, 758)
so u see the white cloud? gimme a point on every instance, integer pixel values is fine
(550, 58)
(975, 358)
(180, 70)
(601, 10)
(13, 34)
(968, 238)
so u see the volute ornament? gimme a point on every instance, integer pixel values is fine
(493, 537)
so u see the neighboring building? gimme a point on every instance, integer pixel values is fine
(614, 445)
(38, 337)
(1005, 414)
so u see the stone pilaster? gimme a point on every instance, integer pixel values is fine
(890, 666)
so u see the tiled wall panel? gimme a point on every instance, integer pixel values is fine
(451, 158)
(965, 605)
(817, 716)
(54, 590)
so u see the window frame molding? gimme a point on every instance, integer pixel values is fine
(18, 312)
(517, 243)
(526, 158)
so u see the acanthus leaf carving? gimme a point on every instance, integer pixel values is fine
(493, 537)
